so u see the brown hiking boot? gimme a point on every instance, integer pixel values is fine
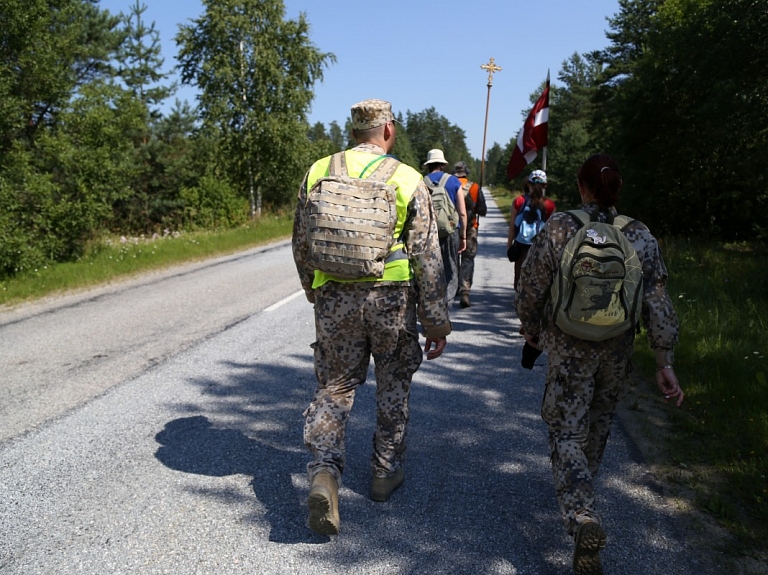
(464, 301)
(323, 503)
(383, 487)
(590, 539)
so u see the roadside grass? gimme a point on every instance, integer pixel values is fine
(716, 445)
(119, 257)
(504, 199)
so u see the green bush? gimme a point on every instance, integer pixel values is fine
(39, 222)
(213, 204)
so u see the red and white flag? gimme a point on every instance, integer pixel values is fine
(532, 136)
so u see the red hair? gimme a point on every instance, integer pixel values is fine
(600, 175)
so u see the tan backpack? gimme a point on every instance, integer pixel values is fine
(352, 220)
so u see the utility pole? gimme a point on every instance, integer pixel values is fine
(491, 68)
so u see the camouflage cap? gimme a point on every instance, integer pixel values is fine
(460, 169)
(370, 114)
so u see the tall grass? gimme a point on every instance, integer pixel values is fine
(118, 257)
(721, 434)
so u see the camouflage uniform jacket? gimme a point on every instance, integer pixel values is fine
(535, 309)
(421, 245)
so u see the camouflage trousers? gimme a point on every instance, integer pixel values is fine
(353, 323)
(578, 407)
(467, 261)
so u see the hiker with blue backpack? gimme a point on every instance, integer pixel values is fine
(528, 213)
(590, 276)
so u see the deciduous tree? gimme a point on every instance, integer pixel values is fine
(255, 71)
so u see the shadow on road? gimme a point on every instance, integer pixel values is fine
(478, 495)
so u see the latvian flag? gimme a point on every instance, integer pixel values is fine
(532, 136)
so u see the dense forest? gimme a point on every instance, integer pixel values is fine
(679, 97)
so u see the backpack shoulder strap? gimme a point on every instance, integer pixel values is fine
(338, 165)
(385, 170)
(526, 203)
(623, 222)
(581, 217)
(443, 180)
(519, 216)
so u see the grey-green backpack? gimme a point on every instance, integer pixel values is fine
(352, 220)
(599, 285)
(445, 211)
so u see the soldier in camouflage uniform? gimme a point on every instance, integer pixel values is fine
(586, 378)
(378, 317)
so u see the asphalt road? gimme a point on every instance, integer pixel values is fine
(154, 427)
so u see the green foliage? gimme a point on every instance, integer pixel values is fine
(90, 153)
(676, 102)
(686, 113)
(213, 204)
(86, 151)
(495, 169)
(27, 200)
(169, 156)
(403, 148)
(49, 49)
(62, 190)
(140, 59)
(427, 130)
(721, 296)
(571, 114)
(255, 70)
(334, 141)
(336, 136)
(570, 131)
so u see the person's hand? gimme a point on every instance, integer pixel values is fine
(532, 340)
(439, 343)
(669, 386)
(462, 244)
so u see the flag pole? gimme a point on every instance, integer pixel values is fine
(544, 150)
(491, 68)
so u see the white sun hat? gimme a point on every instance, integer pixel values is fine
(435, 157)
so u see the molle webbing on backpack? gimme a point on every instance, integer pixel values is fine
(352, 220)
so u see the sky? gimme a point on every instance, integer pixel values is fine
(418, 54)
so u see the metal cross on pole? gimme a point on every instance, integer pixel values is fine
(491, 68)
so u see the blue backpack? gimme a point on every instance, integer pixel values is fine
(528, 223)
